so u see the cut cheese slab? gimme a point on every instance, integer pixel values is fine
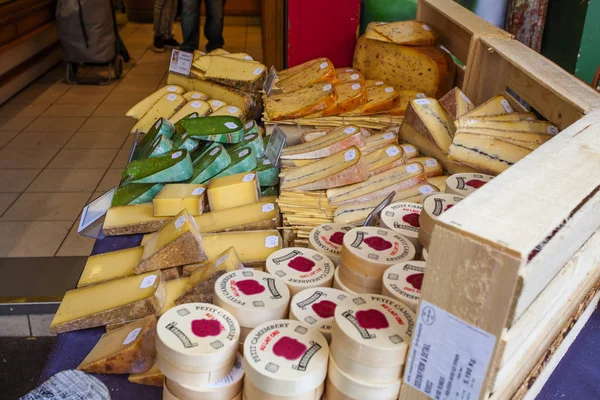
(129, 349)
(327, 239)
(253, 247)
(170, 167)
(530, 141)
(177, 243)
(385, 158)
(350, 96)
(286, 73)
(370, 250)
(487, 155)
(456, 103)
(263, 214)
(161, 145)
(253, 297)
(345, 75)
(431, 166)
(210, 164)
(201, 283)
(379, 140)
(184, 141)
(216, 104)
(465, 184)
(371, 33)
(229, 110)
(403, 99)
(203, 62)
(335, 141)
(175, 197)
(142, 107)
(162, 127)
(403, 282)
(494, 106)
(202, 108)
(240, 74)
(132, 219)
(301, 268)
(115, 264)
(313, 134)
(305, 101)
(233, 191)
(379, 99)
(410, 151)
(283, 343)
(316, 307)
(313, 73)
(221, 128)
(431, 120)
(165, 107)
(514, 116)
(118, 300)
(152, 377)
(403, 218)
(380, 185)
(409, 33)
(243, 160)
(194, 95)
(339, 169)
(541, 127)
(175, 289)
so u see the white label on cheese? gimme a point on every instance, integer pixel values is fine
(349, 70)
(422, 101)
(221, 260)
(179, 222)
(350, 130)
(271, 241)
(195, 104)
(323, 65)
(356, 86)
(426, 189)
(354, 77)
(442, 346)
(132, 336)
(420, 96)
(232, 110)
(327, 87)
(266, 161)
(426, 27)
(248, 58)
(249, 124)
(148, 281)
(217, 103)
(248, 177)
(157, 124)
(465, 98)
(378, 83)
(176, 154)
(506, 105)
(171, 88)
(172, 97)
(257, 71)
(431, 162)
(388, 136)
(196, 96)
(214, 151)
(552, 130)
(350, 155)
(248, 137)
(243, 153)
(231, 125)
(412, 168)
(185, 135)
(392, 151)
(408, 148)
(198, 191)
(268, 207)
(389, 89)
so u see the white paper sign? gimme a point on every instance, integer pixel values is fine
(389, 89)
(257, 71)
(268, 207)
(271, 241)
(426, 27)
(195, 104)
(196, 96)
(179, 222)
(249, 124)
(232, 110)
(248, 137)
(420, 95)
(248, 177)
(147, 281)
(465, 98)
(198, 191)
(243, 153)
(327, 87)
(378, 83)
(172, 89)
(266, 161)
(221, 260)
(431, 162)
(217, 103)
(426, 189)
(181, 62)
(448, 357)
(215, 151)
(323, 65)
(231, 125)
(132, 335)
(552, 130)
(354, 77)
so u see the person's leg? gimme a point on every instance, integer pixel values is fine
(190, 24)
(213, 28)
(159, 6)
(170, 14)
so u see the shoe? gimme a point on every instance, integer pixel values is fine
(171, 42)
(159, 44)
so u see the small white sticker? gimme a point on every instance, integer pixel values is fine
(422, 101)
(350, 155)
(388, 136)
(408, 148)
(217, 103)
(426, 189)
(271, 241)
(243, 153)
(198, 191)
(231, 125)
(349, 70)
(176, 154)
(389, 89)
(266, 161)
(157, 125)
(323, 65)
(179, 222)
(132, 335)
(354, 77)
(196, 96)
(327, 87)
(172, 89)
(248, 137)
(196, 104)
(412, 168)
(258, 71)
(249, 124)
(221, 260)
(248, 58)
(148, 281)
(506, 105)
(356, 86)
(172, 97)
(426, 27)
(378, 83)
(552, 130)
(465, 98)
(420, 96)
(248, 177)
(268, 207)
(232, 110)
(441, 346)
(185, 135)
(431, 162)
(392, 151)
(350, 130)
(214, 151)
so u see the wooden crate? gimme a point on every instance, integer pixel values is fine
(479, 267)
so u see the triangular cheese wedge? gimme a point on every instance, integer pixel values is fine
(408, 33)
(309, 75)
(386, 158)
(431, 166)
(175, 288)
(529, 116)
(194, 95)
(350, 96)
(245, 75)
(431, 120)
(142, 107)
(524, 139)
(165, 107)
(308, 100)
(378, 141)
(543, 127)
(335, 141)
(286, 73)
(372, 33)
(345, 75)
(193, 106)
(380, 99)
(456, 103)
(495, 105)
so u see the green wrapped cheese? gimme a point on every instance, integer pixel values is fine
(210, 164)
(175, 166)
(253, 140)
(184, 141)
(202, 149)
(222, 128)
(251, 127)
(135, 193)
(268, 191)
(179, 128)
(162, 127)
(242, 160)
(161, 146)
(267, 174)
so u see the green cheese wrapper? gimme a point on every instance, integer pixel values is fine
(175, 166)
(251, 127)
(180, 130)
(202, 149)
(210, 164)
(184, 141)
(162, 146)
(162, 127)
(242, 160)
(268, 191)
(221, 128)
(267, 174)
(135, 193)
(253, 140)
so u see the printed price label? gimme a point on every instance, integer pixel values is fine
(388, 136)
(148, 281)
(231, 125)
(248, 137)
(172, 89)
(217, 103)
(420, 96)
(350, 155)
(426, 27)
(215, 151)
(349, 70)
(181, 62)
(552, 130)
(132, 335)
(268, 207)
(327, 87)
(431, 162)
(248, 177)
(179, 222)
(221, 260)
(350, 130)
(323, 65)
(249, 124)
(426, 189)
(412, 168)
(232, 110)
(378, 83)
(271, 241)
(258, 71)
(243, 153)
(198, 191)
(408, 148)
(422, 101)
(196, 104)
(354, 77)
(506, 105)
(356, 86)
(196, 96)
(177, 154)
(266, 161)
(248, 58)
(389, 89)
(172, 97)
(392, 151)
(157, 125)
(465, 98)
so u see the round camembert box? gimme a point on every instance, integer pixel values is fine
(371, 250)
(424, 254)
(253, 297)
(466, 183)
(328, 239)
(434, 206)
(338, 284)
(286, 358)
(403, 218)
(301, 268)
(403, 282)
(359, 283)
(316, 307)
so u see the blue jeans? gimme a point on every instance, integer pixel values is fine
(190, 24)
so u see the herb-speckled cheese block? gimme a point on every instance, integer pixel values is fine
(165, 107)
(209, 165)
(320, 71)
(242, 160)
(403, 282)
(305, 101)
(132, 219)
(232, 191)
(409, 33)
(175, 197)
(316, 307)
(135, 193)
(142, 107)
(350, 96)
(223, 129)
(107, 266)
(254, 216)
(267, 174)
(202, 108)
(174, 166)
(240, 74)
(380, 99)
(328, 239)
(465, 184)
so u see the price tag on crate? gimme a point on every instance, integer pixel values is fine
(181, 62)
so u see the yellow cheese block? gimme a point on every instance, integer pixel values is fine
(254, 216)
(118, 300)
(430, 119)
(174, 197)
(379, 141)
(333, 142)
(410, 151)
(233, 191)
(520, 138)
(203, 62)
(152, 377)
(192, 106)
(385, 158)
(141, 108)
(229, 110)
(431, 166)
(196, 73)
(218, 52)
(409, 33)
(350, 96)
(240, 74)
(343, 168)
(323, 71)
(111, 265)
(456, 103)
(438, 181)
(313, 134)
(195, 95)
(494, 106)
(543, 127)
(305, 101)
(253, 247)
(379, 99)
(165, 107)
(127, 350)
(132, 219)
(348, 75)
(197, 54)
(216, 105)
(286, 73)
(514, 116)
(175, 288)
(177, 243)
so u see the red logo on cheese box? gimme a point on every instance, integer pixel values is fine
(412, 219)
(372, 319)
(377, 243)
(416, 280)
(301, 264)
(206, 327)
(324, 308)
(289, 348)
(475, 183)
(337, 238)
(250, 287)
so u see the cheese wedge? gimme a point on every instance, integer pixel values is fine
(200, 285)
(229, 110)
(333, 142)
(132, 219)
(514, 116)
(175, 288)
(253, 140)
(350, 96)
(135, 193)
(524, 139)
(142, 107)
(308, 100)
(495, 105)
(177, 243)
(313, 134)
(202, 63)
(240, 74)
(171, 273)
(174, 166)
(165, 107)
(255, 216)
(439, 182)
(210, 164)
(385, 158)
(348, 75)
(405, 97)
(456, 103)
(410, 151)
(431, 166)
(371, 33)
(160, 146)
(252, 247)
(409, 33)
(343, 168)
(379, 99)
(118, 300)
(543, 127)
(243, 160)
(129, 349)
(379, 141)
(313, 73)
(152, 377)
(175, 197)
(196, 73)
(184, 141)
(222, 128)
(380, 185)
(216, 104)
(233, 191)
(194, 106)
(430, 119)
(107, 266)
(286, 73)
(485, 154)
(195, 95)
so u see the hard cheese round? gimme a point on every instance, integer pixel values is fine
(357, 282)
(253, 297)
(285, 358)
(371, 250)
(328, 239)
(403, 218)
(403, 282)
(316, 307)
(466, 183)
(338, 284)
(301, 268)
